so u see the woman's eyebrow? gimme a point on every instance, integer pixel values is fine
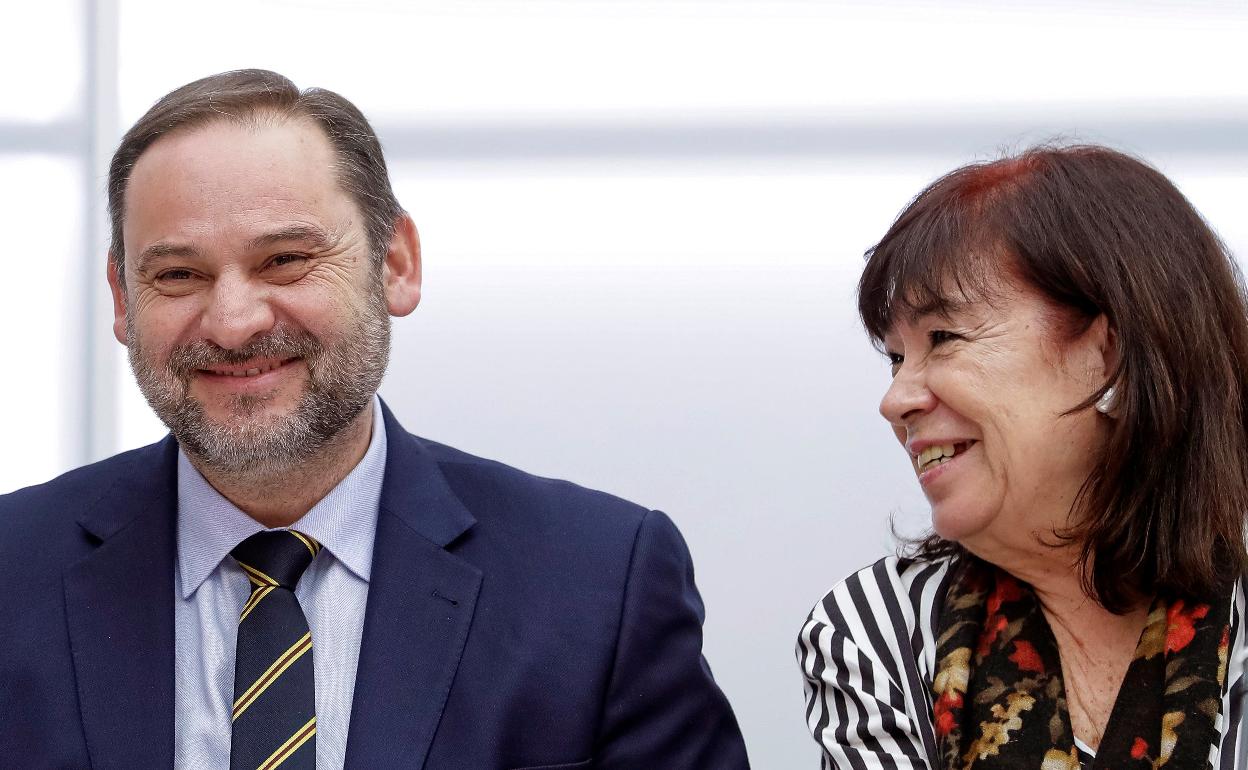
(942, 308)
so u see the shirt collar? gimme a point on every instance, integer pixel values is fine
(344, 521)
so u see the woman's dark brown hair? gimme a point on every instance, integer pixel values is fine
(1099, 232)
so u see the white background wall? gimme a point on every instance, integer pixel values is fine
(642, 223)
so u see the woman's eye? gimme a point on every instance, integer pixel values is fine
(895, 361)
(937, 336)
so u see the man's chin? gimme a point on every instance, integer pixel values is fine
(244, 453)
(243, 419)
(238, 410)
(245, 437)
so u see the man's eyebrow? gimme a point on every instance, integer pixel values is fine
(159, 250)
(316, 238)
(310, 235)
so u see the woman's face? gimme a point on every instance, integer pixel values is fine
(978, 399)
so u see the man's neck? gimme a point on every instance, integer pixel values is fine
(281, 498)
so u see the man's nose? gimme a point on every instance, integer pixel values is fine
(907, 397)
(237, 311)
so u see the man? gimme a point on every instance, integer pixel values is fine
(291, 579)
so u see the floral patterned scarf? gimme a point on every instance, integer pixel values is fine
(999, 700)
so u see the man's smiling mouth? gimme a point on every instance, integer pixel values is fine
(252, 371)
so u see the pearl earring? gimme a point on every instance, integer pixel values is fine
(1105, 404)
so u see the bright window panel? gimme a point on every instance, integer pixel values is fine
(42, 316)
(42, 58)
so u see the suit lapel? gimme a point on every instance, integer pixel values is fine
(421, 600)
(119, 602)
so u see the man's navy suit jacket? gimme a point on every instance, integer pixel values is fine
(512, 621)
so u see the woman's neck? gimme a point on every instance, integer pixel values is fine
(1096, 646)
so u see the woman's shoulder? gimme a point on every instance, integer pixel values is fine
(868, 648)
(896, 596)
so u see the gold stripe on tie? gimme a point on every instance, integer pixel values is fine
(256, 576)
(253, 600)
(311, 544)
(285, 661)
(291, 745)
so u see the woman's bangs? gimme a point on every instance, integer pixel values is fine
(921, 268)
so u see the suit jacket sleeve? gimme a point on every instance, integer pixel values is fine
(663, 707)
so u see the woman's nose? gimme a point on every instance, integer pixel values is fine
(907, 396)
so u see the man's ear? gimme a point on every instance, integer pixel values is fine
(117, 284)
(401, 271)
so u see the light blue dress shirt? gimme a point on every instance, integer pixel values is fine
(211, 590)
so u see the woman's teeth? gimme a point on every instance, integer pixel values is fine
(939, 453)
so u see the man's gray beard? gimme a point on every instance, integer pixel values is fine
(342, 379)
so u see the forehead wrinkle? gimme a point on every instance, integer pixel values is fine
(314, 236)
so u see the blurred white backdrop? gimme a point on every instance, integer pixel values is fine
(642, 223)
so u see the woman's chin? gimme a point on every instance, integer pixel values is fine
(957, 524)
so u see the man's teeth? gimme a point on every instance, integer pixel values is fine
(935, 455)
(247, 373)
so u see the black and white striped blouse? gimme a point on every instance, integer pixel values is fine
(868, 654)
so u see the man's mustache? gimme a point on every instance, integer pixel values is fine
(280, 343)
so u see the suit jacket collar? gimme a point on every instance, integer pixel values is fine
(416, 492)
(421, 601)
(148, 476)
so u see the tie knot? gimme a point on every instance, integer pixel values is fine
(276, 557)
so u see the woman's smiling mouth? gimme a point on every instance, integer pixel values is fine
(938, 454)
(933, 460)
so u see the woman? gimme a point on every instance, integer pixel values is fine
(1069, 349)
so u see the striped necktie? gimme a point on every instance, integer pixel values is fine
(274, 712)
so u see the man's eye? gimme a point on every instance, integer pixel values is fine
(281, 260)
(174, 275)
